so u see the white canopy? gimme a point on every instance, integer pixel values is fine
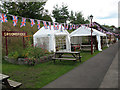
(85, 31)
(49, 34)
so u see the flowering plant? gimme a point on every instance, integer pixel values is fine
(30, 61)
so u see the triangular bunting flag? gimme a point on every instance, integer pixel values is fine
(32, 22)
(38, 24)
(49, 25)
(23, 23)
(45, 24)
(3, 18)
(15, 20)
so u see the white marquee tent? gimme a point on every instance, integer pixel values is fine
(85, 31)
(47, 38)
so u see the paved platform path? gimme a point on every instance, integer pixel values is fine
(90, 74)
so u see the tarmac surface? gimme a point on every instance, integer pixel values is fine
(101, 71)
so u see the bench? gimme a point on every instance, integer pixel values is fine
(59, 56)
(72, 59)
(14, 84)
(68, 56)
(87, 48)
(9, 84)
(69, 59)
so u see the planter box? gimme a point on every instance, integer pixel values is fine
(21, 61)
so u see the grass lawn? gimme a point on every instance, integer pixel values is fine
(40, 75)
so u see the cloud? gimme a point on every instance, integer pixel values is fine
(112, 15)
(102, 10)
(111, 21)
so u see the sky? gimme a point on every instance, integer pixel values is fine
(105, 12)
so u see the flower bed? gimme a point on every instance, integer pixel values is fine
(29, 61)
(30, 55)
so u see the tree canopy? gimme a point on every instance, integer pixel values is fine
(33, 10)
(77, 18)
(61, 15)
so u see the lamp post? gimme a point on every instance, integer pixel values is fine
(91, 17)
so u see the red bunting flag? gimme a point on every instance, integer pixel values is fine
(45, 24)
(3, 18)
(49, 25)
(65, 26)
(77, 26)
(38, 24)
(15, 20)
(71, 26)
(23, 23)
(74, 26)
(32, 22)
(55, 27)
(61, 28)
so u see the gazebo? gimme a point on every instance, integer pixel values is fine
(85, 31)
(52, 40)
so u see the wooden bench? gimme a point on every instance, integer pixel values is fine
(14, 84)
(75, 56)
(72, 59)
(69, 59)
(9, 84)
(68, 56)
(87, 48)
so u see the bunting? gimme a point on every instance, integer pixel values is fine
(32, 22)
(67, 27)
(23, 23)
(87, 26)
(0, 17)
(3, 18)
(71, 26)
(45, 24)
(55, 27)
(38, 24)
(61, 28)
(77, 26)
(64, 26)
(15, 20)
(49, 25)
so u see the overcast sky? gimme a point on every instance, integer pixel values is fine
(104, 11)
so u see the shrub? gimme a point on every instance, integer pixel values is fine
(13, 55)
(29, 52)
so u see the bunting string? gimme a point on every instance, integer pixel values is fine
(3, 18)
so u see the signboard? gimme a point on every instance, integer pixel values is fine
(13, 34)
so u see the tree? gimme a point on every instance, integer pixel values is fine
(77, 18)
(72, 17)
(47, 18)
(61, 14)
(25, 9)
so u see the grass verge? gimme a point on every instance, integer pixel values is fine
(40, 75)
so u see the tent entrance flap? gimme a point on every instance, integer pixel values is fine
(60, 43)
